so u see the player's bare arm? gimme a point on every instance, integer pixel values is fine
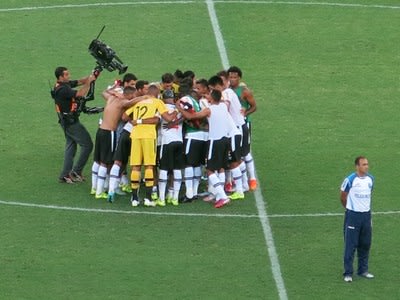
(249, 97)
(343, 198)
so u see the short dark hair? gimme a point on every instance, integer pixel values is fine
(129, 77)
(215, 80)
(235, 69)
(357, 160)
(202, 82)
(167, 78)
(59, 71)
(185, 87)
(216, 95)
(188, 73)
(178, 74)
(129, 90)
(223, 73)
(140, 84)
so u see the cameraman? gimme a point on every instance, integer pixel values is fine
(67, 107)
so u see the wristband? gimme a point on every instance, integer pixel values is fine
(139, 121)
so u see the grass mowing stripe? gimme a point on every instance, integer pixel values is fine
(262, 213)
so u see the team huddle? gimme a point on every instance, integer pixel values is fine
(175, 131)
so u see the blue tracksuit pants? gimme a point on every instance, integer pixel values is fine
(357, 236)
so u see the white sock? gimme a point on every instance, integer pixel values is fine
(124, 179)
(228, 176)
(237, 178)
(114, 178)
(101, 178)
(95, 171)
(177, 183)
(218, 186)
(170, 193)
(107, 182)
(162, 183)
(196, 180)
(245, 181)
(250, 166)
(189, 182)
(222, 176)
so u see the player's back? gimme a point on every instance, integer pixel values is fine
(145, 109)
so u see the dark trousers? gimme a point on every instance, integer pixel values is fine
(357, 236)
(76, 134)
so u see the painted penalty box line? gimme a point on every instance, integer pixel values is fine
(183, 214)
(85, 5)
(297, 3)
(186, 214)
(332, 4)
(127, 212)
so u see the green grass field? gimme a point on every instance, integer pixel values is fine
(326, 82)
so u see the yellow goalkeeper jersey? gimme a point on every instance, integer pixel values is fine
(145, 109)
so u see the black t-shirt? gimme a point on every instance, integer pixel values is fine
(64, 96)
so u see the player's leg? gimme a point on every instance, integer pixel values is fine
(364, 244)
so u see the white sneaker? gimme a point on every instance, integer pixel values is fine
(348, 278)
(367, 275)
(149, 203)
(135, 203)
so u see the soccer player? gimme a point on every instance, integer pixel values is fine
(249, 106)
(171, 157)
(106, 135)
(355, 195)
(220, 83)
(122, 152)
(168, 87)
(143, 136)
(221, 126)
(195, 142)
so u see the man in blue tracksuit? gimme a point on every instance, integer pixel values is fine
(355, 196)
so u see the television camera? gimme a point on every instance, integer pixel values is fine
(106, 58)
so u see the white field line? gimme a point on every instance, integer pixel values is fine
(218, 35)
(262, 213)
(84, 5)
(129, 3)
(355, 5)
(183, 214)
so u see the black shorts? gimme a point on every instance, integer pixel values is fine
(218, 152)
(158, 150)
(123, 150)
(236, 152)
(105, 146)
(195, 152)
(172, 157)
(245, 140)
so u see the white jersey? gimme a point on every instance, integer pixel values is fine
(359, 191)
(235, 108)
(220, 122)
(204, 103)
(174, 134)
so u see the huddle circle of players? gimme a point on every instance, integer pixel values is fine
(175, 131)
